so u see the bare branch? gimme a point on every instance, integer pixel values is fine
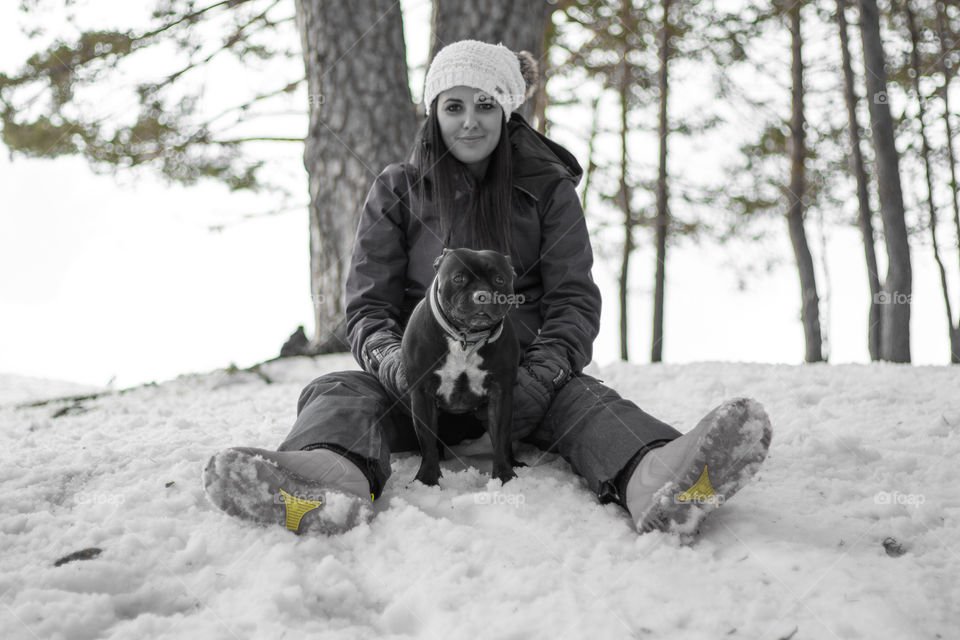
(236, 37)
(287, 88)
(256, 139)
(190, 17)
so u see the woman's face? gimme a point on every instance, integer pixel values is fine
(470, 123)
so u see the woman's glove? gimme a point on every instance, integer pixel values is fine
(538, 380)
(384, 359)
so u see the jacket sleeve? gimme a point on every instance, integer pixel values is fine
(377, 278)
(570, 306)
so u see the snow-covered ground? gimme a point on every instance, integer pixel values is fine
(24, 389)
(860, 454)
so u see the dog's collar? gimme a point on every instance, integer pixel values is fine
(465, 338)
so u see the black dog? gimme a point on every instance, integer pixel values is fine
(461, 354)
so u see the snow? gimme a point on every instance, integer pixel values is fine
(860, 454)
(23, 389)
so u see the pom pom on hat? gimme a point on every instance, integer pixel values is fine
(510, 78)
(530, 71)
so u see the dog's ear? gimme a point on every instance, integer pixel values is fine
(513, 269)
(436, 263)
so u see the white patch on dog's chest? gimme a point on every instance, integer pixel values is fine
(460, 361)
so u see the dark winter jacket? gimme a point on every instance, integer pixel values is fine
(398, 239)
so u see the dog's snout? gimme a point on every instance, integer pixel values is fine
(482, 297)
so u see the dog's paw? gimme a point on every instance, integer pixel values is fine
(431, 478)
(504, 475)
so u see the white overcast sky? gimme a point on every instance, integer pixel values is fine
(121, 279)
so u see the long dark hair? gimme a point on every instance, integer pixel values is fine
(482, 221)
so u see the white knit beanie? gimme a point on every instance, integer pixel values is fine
(507, 76)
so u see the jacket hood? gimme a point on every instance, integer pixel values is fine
(538, 160)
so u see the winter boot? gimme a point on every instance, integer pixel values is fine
(676, 485)
(306, 491)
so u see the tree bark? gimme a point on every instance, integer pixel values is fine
(895, 333)
(865, 217)
(519, 25)
(810, 310)
(356, 68)
(663, 214)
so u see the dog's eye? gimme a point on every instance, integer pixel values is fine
(458, 278)
(499, 280)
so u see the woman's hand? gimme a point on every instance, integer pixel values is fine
(385, 359)
(391, 373)
(538, 380)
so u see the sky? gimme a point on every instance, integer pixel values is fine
(120, 280)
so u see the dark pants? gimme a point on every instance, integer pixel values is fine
(589, 424)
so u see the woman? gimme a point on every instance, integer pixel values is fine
(480, 177)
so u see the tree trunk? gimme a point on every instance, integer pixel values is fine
(895, 332)
(663, 220)
(865, 218)
(550, 37)
(810, 310)
(519, 25)
(591, 152)
(356, 68)
(624, 197)
(925, 155)
(955, 345)
(951, 157)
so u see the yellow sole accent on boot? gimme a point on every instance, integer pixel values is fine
(702, 491)
(297, 508)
